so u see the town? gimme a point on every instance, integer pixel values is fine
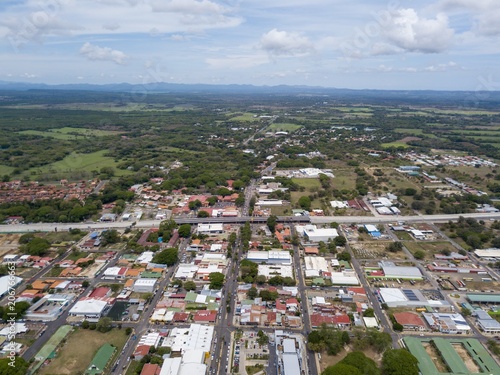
(279, 257)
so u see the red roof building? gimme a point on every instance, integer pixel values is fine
(100, 292)
(205, 316)
(141, 351)
(180, 317)
(150, 369)
(410, 321)
(317, 320)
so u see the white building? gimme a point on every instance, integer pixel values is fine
(391, 271)
(313, 234)
(275, 270)
(270, 257)
(145, 257)
(144, 285)
(196, 337)
(8, 282)
(347, 277)
(186, 271)
(492, 253)
(447, 323)
(210, 228)
(88, 308)
(315, 266)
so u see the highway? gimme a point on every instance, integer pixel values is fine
(51, 227)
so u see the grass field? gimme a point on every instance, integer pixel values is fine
(68, 133)
(5, 169)
(77, 162)
(344, 179)
(429, 248)
(285, 127)
(80, 348)
(394, 144)
(244, 117)
(414, 132)
(308, 183)
(353, 109)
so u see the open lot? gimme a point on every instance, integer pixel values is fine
(80, 348)
(68, 133)
(429, 248)
(76, 162)
(286, 127)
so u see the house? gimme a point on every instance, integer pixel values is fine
(205, 316)
(410, 321)
(141, 351)
(151, 369)
(101, 360)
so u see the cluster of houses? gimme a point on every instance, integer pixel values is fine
(19, 191)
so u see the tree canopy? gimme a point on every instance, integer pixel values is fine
(168, 256)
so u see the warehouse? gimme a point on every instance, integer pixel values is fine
(270, 257)
(312, 234)
(144, 285)
(315, 266)
(395, 297)
(391, 271)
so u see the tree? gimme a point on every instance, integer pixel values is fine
(260, 279)
(399, 361)
(369, 313)
(203, 214)
(110, 236)
(252, 293)
(85, 324)
(305, 203)
(394, 247)
(341, 369)
(190, 285)
(85, 284)
(340, 241)
(271, 223)
(344, 256)
(366, 365)
(37, 246)
(18, 367)
(168, 256)
(262, 339)
(397, 327)
(419, 254)
(216, 280)
(466, 311)
(18, 312)
(185, 230)
(104, 324)
(128, 331)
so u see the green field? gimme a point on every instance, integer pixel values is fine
(80, 348)
(5, 169)
(308, 183)
(68, 133)
(286, 127)
(77, 162)
(394, 144)
(244, 117)
(353, 109)
(414, 132)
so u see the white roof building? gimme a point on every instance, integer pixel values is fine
(395, 297)
(186, 271)
(399, 272)
(145, 257)
(313, 234)
(370, 322)
(196, 337)
(273, 256)
(347, 277)
(7, 282)
(275, 270)
(447, 323)
(89, 308)
(144, 285)
(210, 228)
(488, 253)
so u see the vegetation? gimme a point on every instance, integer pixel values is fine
(399, 361)
(168, 256)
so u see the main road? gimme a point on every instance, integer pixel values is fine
(51, 227)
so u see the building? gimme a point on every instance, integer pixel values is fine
(410, 321)
(313, 234)
(492, 253)
(210, 228)
(269, 270)
(270, 257)
(101, 360)
(89, 308)
(49, 307)
(346, 277)
(447, 323)
(395, 297)
(7, 283)
(391, 271)
(196, 337)
(315, 266)
(144, 285)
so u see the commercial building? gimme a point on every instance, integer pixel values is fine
(313, 234)
(210, 228)
(289, 349)
(144, 285)
(49, 307)
(196, 337)
(391, 271)
(271, 270)
(410, 321)
(7, 283)
(315, 266)
(346, 277)
(492, 253)
(270, 257)
(447, 323)
(89, 308)
(395, 297)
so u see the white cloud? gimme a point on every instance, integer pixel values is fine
(93, 52)
(485, 13)
(285, 43)
(111, 26)
(406, 30)
(201, 7)
(238, 61)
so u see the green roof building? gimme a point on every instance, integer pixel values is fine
(101, 360)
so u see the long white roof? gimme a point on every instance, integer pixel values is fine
(88, 306)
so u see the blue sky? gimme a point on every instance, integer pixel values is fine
(374, 44)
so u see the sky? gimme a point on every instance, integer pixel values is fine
(357, 44)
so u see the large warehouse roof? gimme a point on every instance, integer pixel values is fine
(485, 298)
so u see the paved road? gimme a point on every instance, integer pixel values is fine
(50, 227)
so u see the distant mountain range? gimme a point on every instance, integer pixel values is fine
(470, 98)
